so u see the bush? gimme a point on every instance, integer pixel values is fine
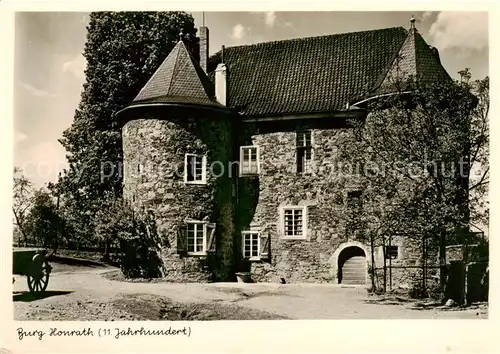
(376, 290)
(417, 291)
(435, 291)
(137, 237)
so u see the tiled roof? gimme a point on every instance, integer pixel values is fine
(179, 79)
(414, 58)
(429, 69)
(297, 76)
(306, 75)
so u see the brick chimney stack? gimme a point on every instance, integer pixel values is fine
(204, 48)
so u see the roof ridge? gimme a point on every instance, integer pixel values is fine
(202, 76)
(175, 65)
(413, 31)
(153, 76)
(380, 80)
(310, 38)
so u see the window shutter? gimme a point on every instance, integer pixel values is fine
(210, 246)
(264, 246)
(204, 168)
(181, 239)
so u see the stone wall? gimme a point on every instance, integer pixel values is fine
(154, 151)
(323, 192)
(407, 269)
(279, 185)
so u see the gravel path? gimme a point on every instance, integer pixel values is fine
(83, 293)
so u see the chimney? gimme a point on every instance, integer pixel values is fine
(204, 48)
(221, 81)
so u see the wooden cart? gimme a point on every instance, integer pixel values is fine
(32, 263)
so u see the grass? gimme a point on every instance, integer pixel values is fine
(88, 255)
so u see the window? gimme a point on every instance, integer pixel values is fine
(196, 238)
(255, 245)
(251, 245)
(249, 160)
(294, 222)
(304, 151)
(391, 252)
(195, 169)
(355, 200)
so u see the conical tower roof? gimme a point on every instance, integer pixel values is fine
(179, 79)
(414, 59)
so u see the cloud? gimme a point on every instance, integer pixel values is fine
(239, 32)
(426, 15)
(19, 136)
(463, 30)
(76, 66)
(37, 92)
(270, 18)
(84, 19)
(42, 162)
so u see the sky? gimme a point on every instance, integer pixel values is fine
(49, 66)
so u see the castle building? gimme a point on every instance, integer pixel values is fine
(233, 153)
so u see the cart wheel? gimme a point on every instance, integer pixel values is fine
(39, 279)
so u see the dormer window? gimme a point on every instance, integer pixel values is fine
(249, 160)
(304, 151)
(195, 167)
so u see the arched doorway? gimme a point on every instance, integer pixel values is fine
(352, 266)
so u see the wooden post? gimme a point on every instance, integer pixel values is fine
(385, 263)
(442, 259)
(390, 263)
(424, 260)
(372, 270)
(465, 259)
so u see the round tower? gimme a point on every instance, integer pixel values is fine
(177, 154)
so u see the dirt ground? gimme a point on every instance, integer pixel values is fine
(95, 293)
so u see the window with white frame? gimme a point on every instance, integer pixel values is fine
(304, 151)
(294, 222)
(249, 160)
(195, 167)
(251, 244)
(195, 238)
(255, 245)
(199, 237)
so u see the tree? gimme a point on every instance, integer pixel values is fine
(22, 201)
(43, 222)
(416, 152)
(136, 234)
(122, 51)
